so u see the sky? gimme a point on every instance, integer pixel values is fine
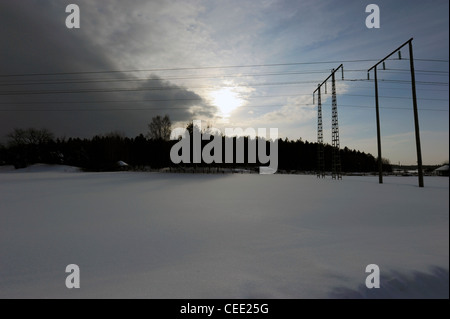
(230, 64)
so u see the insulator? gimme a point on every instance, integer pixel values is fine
(399, 55)
(384, 66)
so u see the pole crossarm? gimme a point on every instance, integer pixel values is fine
(390, 54)
(334, 71)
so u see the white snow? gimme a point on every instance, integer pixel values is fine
(156, 235)
(265, 170)
(122, 164)
(40, 168)
(442, 168)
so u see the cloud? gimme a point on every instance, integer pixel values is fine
(297, 109)
(115, 105)
(114, 35)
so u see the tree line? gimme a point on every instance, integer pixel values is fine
(103, 152)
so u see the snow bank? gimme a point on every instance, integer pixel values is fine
(41, 168)
(6, 168)
(152, 235)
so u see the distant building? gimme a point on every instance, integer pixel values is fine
(442, 171)
(122, 166)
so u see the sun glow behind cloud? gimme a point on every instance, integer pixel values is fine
(227, 99)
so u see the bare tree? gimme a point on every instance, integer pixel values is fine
(115, 135)
(190, 127)
(386, 164)
(160, 128)
(29, 146)
(30, 136)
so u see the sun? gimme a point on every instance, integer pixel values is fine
(227, 100)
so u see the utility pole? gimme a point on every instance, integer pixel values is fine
(380, 163)
(336, 158)
(416, 116)
(320, 154)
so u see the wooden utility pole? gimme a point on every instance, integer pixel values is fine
(416, 116)
(377, 111)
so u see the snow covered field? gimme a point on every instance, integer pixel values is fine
(152, 235)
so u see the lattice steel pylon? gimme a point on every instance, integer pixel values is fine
(320, 153)
(336, 157)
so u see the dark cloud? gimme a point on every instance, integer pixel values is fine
(35, 40)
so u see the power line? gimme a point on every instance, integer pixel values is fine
(392, 108)
(417, 82)
(430, 60)
(417, 72)
(399, 81)
(201, 99)
(193, 77)
(186, 108)
(394, 97)
(400, 88)
(185, 68)
(174, 87)
(204, 67)
(424, 71)
(187, 77)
